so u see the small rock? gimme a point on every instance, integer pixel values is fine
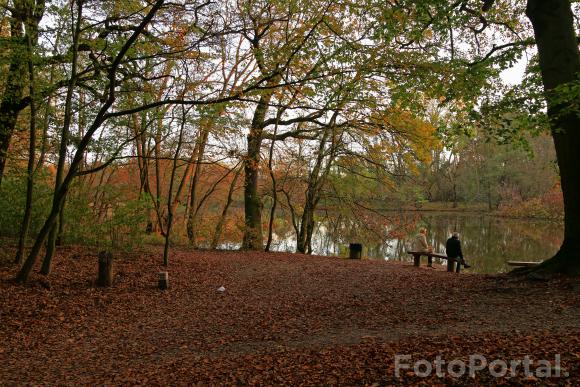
(221, 289)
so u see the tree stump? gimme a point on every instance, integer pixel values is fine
(105, 278)
(355, 250)
(163, 280)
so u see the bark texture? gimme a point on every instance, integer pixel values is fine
(253, 236)
(553, 25)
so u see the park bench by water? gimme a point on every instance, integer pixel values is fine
(488, 242)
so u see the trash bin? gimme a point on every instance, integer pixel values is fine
(355, 250)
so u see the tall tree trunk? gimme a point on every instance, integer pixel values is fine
(170, 192)
(52, 236)
(553, 24)
(272, 215)
(25, 13)
(253, 239)
(304, 240)
(31, 156)
(274, 188)
(60, 231)
(45, 125)
(190, 227)
(142, 146)
(157, 153)
(316, 180)
(13, 91)
(218, 228)
(307, 219)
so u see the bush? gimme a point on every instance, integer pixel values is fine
(548, 206)
(13, 200)
(117, 224)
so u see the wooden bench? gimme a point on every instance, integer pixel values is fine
(417, 256)
(523, 264)
(417, 259)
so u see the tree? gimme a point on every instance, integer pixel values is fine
(32, 145)
(64, 138)
(283, 37)
(24, 20)
(559, 61)
(170, 208)
(220, 224)
(115, 50)
(100, 118)
(553, 23)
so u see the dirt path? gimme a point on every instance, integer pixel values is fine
(283, 318)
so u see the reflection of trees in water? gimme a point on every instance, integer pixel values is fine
(382, 236)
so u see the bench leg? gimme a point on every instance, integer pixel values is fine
(458, 268)
(417, 260)
(450, 265)
(429, 261)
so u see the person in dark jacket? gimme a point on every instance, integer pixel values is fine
(453, 250)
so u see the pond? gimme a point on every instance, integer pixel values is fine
(488, 242)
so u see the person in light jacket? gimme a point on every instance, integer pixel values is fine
(453, 251)
(421, 244)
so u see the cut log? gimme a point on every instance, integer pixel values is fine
(163, 280)
(105, 278)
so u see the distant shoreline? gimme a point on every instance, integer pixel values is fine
(470, 209)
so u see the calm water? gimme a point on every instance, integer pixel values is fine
(488, 242)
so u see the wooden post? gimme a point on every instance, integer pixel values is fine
(105, 278)
(355, 250)
(163, 280)
(417, 259)
(450, 265)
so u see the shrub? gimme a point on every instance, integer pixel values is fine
(13, 200)
(548, 206)
(116, 224)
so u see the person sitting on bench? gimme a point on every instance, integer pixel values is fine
(453, 250)
(422, 245)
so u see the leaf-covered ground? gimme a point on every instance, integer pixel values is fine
(283, 319)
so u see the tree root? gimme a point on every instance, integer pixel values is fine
(565, 262)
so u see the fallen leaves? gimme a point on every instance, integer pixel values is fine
(285, 318)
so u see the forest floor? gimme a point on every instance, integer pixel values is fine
(283, 319)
